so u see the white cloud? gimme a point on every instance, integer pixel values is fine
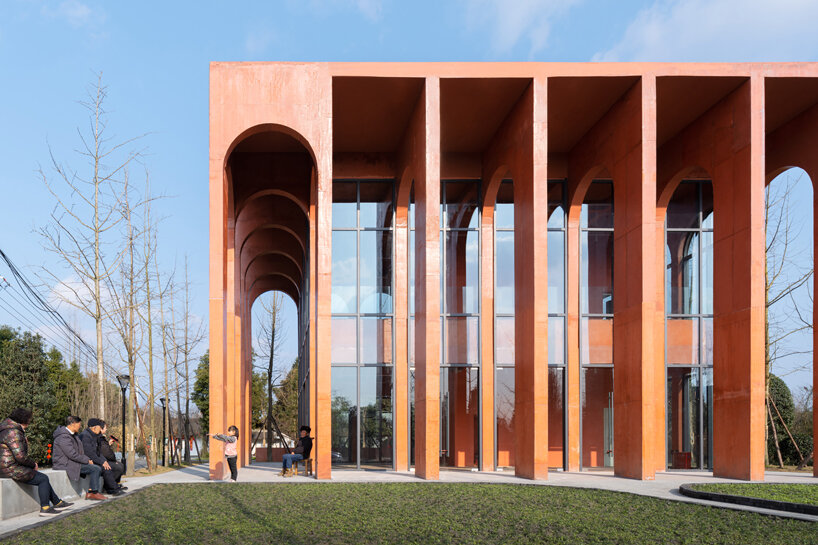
(74, 12)
(510, 22)
(258, 41)
(371, 9)
(720, 30)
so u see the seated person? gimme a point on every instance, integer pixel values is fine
(301, 452)
(16, 464)
(91, 437)
(106, 448)
(68, 455)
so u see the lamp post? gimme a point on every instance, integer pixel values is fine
(124, 381)
(162, 401)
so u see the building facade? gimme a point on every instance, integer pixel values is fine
(517, 266)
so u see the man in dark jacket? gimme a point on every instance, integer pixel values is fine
(16, 464)
(107, 451)
(68, 455)
(301, 452)
(91, 437)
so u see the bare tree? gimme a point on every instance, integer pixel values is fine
(192, 335)
(84, 217)
(269, 340)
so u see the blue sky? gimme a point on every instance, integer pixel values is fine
(154, 58)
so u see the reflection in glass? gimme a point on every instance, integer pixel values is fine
(376, 340)
(596, 341)
(707, 341)
(376, 415)
(683, 209)
(597, 209)
(504, 340)
(344, 205)
(376, 272)
(411, 294)
(504, 409)
(344, 407)
(682, 341)
(460, 204)
(411, 340)
(707, 416)
(556, 204)
(459, 417)
(707, 272)
(597, 272)
(344, 336)
(462, 341)
(597, 417)
(556, 418)
(556, 340)
(376, 204)
(504, 208)
(344, 271)
(462, 272)
(504, 273)
(682, 276)
(412, 416)
(683, 417)
(707, 205)
(556, 272)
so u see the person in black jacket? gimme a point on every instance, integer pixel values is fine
(106, 449)
(91, 437)
(301, 452)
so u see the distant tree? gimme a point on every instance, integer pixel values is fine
(201, 392)
(285, 408)
(781, 402)
(258, 399)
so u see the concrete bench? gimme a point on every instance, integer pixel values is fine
(18, 499)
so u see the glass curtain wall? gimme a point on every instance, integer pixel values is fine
(362, 322)
(411, 324)
(504, 325)
(689, 325)
(460, 324)
(557, 259)
(596, 325)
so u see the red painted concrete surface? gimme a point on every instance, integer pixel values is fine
(281, 132)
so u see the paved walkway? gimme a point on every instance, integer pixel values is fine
(665, 486)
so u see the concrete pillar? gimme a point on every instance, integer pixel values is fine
(491, 185)
(400, 422)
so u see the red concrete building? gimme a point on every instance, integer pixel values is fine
(505, 265)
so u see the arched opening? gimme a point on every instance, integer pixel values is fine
(789, 367)
(596, 238)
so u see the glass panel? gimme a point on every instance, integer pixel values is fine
(596, 341)
(411, 272)
(412, 207)
(376, 416)
(683, 272)
(376, 340)
(707, 341)
(556, 272)
(504, 273)
(504, 208)
(707, 418)
(597, 210)
(344, 271)
(556, 418)
(462, 272)
(344, 205)
(461, 204)
(683, 209)
(411, 340)
(376, 272)
(376, 204)
(459, 417)
(556, 340)
(597, 272)
(462, 341)
(344, 415)
(344, 335)
(683, 417)
(411, 417)
(556, 204)
(504, 407)
(597, 417)
(683, 341)
(504, 340)
(707, 272)
(707, 204)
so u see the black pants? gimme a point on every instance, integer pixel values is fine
(234, 472)
(40, 480)
(110, 477)
(118, 469)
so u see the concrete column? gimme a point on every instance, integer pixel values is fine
(426, 127)
(400, 406)
(572, 364)
(488, 462)
(323, 294)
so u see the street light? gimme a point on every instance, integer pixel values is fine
(124, 381)
(162, 401)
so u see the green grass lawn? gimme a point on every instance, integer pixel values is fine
(795, 493)
(247, 514)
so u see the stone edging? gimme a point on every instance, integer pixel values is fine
(802, 508)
